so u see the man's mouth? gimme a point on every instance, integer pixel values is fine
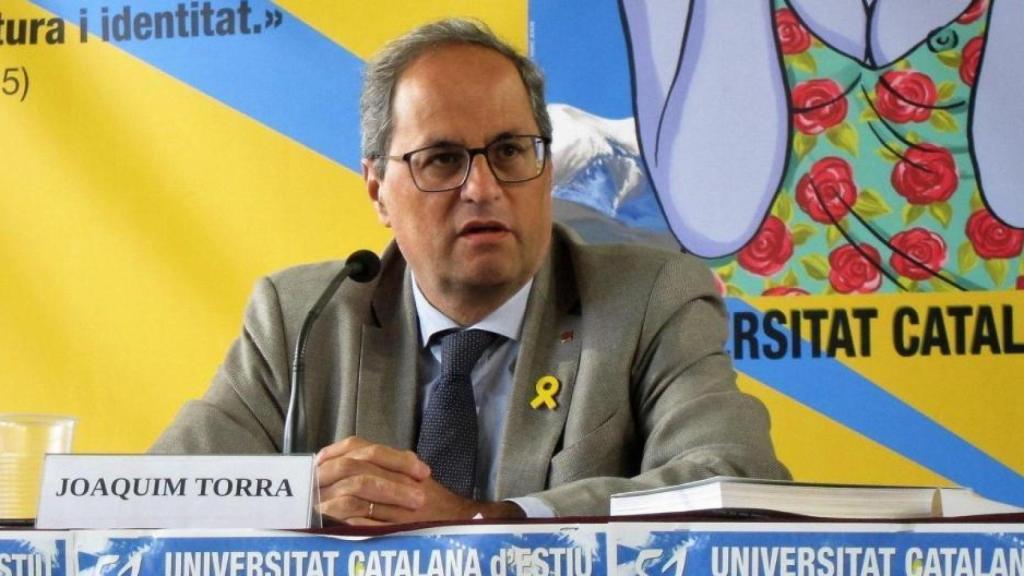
(482, 227)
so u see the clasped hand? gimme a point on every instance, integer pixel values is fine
(367, 484)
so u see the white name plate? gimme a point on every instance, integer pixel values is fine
(149, 491)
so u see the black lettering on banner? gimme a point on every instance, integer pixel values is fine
(772, 318)
(31, 31)
(958, 330)
(129, 23)
(934, 332)
(744, 330)
(1010, 345)
(959, 314)
(815, 316)
(904, 346)
(865, 316)
(847, 332)
(775, 336)
(15, 82)
(191, 20)
(840, 336)
(985, 333)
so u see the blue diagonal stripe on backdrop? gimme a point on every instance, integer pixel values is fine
(833, 389)
(290, 78)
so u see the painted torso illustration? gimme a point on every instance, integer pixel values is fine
(879, 192)
(812, 146)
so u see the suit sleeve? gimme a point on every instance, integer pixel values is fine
(690, 418)
(242, 411)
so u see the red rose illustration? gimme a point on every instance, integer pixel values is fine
(905, 96)
(820, 105)
(784, 291)
(853, 272)
(769, 250)
(828, 188)
(991, 238)
(926, 174)
(926, 250)
(971, 60)
(793, 37)
(973, 12)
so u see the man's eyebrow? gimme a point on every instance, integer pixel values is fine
(438, 142)
(503, 135)
(430, 143)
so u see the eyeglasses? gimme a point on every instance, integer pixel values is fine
(446, 167)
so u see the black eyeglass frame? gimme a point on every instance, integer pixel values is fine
(473, 152)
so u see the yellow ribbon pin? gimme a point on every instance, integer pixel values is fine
(546, 388)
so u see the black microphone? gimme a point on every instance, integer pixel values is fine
(361, 266)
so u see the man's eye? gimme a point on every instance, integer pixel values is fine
(442, 159)
(509, 150)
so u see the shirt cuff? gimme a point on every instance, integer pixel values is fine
(533, 507)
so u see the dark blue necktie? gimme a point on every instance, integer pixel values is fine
(448, 433)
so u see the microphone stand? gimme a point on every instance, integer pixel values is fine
(361, 266)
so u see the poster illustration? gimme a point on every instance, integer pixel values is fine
(857, 155)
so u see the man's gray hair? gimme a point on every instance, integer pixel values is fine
(384, 70)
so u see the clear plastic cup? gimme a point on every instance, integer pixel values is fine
(24, 440)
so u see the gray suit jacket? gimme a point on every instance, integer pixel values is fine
(634, 335)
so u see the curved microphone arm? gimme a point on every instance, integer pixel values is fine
(361, 266)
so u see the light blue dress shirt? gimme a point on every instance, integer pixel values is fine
(492, 381)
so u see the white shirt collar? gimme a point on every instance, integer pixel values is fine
(507, 320)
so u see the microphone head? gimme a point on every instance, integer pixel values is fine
(364, 265)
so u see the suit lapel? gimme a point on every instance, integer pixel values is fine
(386, 394)
(549, 347)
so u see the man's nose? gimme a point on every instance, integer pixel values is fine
(481, 184)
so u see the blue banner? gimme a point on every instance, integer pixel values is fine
(627, 549)
(822, 550)
(34, 553)
(561, 550)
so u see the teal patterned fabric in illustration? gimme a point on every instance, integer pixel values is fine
(880, 192)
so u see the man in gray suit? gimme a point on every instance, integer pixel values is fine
(591, 369)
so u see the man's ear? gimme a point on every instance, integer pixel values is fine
(373, 188)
